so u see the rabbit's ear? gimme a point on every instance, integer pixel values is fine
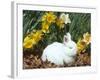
(65, 39)
(68, 35)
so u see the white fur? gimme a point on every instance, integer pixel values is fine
(60, 53)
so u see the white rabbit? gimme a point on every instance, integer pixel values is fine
(60, 53)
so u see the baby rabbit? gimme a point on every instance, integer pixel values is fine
(60, 53)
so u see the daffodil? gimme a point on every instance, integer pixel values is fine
(45, 27)
(28, 42)
(81, 45)
(60, 23)
(38, 35)
(86, 37)
(49, 17)
(32, 39)
(65, 18)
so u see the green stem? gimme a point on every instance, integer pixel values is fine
(39, 19)
(35, 24)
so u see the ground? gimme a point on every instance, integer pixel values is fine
(31, 61)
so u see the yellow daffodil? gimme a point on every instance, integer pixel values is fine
(38, 35)
(86, 37)
(28, 42)
(32, 39)
(49, 17)
(65, 18)
(81, 45)
(26, 38)
(60, 23)
(45, 27)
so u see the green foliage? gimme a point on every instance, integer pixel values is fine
(80, 24)
(30, 21)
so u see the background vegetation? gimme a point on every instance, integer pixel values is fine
(80, 22)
